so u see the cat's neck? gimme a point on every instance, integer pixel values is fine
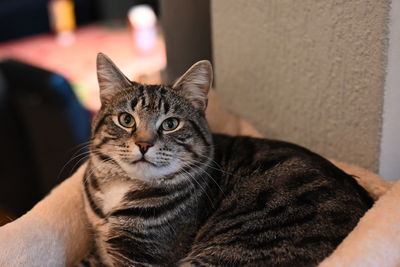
(180, 207)
(117, 190)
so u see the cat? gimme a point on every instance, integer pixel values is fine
(161, 190)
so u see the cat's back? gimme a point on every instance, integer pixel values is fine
(282, 205)
(246, 157)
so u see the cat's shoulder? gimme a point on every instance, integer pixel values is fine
(255, 144)
(247, 154)
(252, 152)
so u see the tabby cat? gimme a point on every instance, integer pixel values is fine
(161, 190)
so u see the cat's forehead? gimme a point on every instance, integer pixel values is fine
(148, 90)
(141, 98)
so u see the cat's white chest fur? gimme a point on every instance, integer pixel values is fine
(112, 195)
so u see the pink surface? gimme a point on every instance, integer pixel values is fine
(77, 61)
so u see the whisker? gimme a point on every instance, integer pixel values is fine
(70, 160)
(84, 144)
(201, 188)
(205, 172)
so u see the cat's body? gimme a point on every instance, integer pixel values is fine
(282, 206)
(160, 190)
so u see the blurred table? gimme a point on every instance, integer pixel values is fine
(77, 61)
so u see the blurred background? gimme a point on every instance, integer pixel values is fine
(48, 83)
(320, 74)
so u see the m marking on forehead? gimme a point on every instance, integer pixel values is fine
(143, 100)
(166, 107)
(134, 103)
(140, 89)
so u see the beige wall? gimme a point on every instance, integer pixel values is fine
(310, 72)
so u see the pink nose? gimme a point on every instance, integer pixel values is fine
(143, 146)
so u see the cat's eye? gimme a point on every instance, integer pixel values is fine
(170, 124)
(126, 120)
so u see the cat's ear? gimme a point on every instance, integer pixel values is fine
(195, 84)
(110, 78)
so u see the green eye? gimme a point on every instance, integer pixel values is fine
(170, 124)
(126, 120)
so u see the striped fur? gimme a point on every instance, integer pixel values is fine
(203, 200)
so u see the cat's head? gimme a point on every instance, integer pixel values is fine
(151, 132)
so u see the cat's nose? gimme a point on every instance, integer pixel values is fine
(144, 146)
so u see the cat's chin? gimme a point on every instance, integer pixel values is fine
(147, 171)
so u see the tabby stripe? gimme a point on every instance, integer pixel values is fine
(335, 240)
(119, 259)
(290, 221)
(305, 180)
(160, 102)
(163, 91)
(141, 95)
(154, 192)
(225, 211)
(167, 107)
(104, 141)
(152, 212)
(133, 104)
(234, 226)
(260, 257)
(85, 263)
(252, 244)
(277, 210)
(240, 214)
(268, 243)
(270, 164)
(313, 195)
(241, 218)
(220, 260)
(99, 124)
(194, 263)
(145, 194)
(188, 148)
(104, 157)
(143, 100)
(94, 183)
(141, 89)
(200, 132)
(222, 229)
(132, 249)
(148, 238)
(92, 204)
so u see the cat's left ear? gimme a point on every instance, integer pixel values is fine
(195, 84)
(110, 78)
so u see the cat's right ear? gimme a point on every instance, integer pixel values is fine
(110, 78)
(195, 84)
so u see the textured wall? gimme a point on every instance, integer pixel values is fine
(310, 72)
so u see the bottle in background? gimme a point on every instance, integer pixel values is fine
(62, 20)
(143, 23)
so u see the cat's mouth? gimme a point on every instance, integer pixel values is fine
(143, 160)
(145, 169)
